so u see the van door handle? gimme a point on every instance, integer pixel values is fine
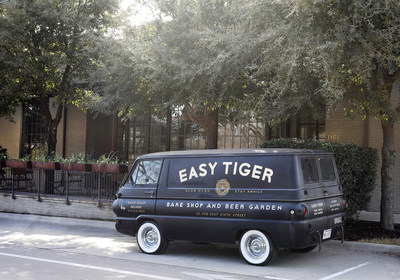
(325, 193)
(149, 192)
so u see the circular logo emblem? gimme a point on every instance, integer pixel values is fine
(222, 187)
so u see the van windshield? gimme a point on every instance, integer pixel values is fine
(146, 172)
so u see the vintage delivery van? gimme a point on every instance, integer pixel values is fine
(264, 199)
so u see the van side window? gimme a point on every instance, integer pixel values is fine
(146, 172)
(327, 169)
(310, 171)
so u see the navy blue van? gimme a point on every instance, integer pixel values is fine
(264, 199)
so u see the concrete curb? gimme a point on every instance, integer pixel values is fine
(56, 221)
(56, 207)
(369, 247)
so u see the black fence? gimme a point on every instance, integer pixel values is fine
(38, 183)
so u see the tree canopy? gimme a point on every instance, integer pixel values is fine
(184, 57)
(208, 55)
(46, 50)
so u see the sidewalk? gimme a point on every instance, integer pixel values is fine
(375, 217)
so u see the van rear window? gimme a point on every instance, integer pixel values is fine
(327, 169)
(310, 171)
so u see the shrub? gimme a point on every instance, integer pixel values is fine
(357, 168)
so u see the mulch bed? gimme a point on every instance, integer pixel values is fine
(358, 230)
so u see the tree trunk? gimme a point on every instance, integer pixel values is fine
(208, 120)
(387, 187)
(211, 129)
(52, 139)
(52, 125)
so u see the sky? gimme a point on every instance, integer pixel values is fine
(140, 13)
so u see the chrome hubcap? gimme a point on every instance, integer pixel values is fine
(256, 246)
(150, 237)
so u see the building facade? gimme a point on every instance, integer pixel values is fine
(84, 133)
(77, 133)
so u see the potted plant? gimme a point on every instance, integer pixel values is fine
(109, 164)
(76, 163)
(46, 163)
(23, 163)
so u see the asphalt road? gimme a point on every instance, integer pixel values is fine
(38, 247)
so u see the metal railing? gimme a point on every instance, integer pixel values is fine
(38, 183)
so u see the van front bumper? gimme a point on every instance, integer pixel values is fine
(126, 225)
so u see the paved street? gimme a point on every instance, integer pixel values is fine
(39, 247)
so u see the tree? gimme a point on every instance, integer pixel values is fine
(349, 50)
(182, 58)
(47, 47)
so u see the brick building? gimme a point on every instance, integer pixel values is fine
(84, 133)
(78, 132)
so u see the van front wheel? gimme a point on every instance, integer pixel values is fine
(150, 240)
(256, 247)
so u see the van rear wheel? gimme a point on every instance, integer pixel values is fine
(256, 247)
(150, 240)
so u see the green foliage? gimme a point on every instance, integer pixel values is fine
(44, 158)
(357, 167)
(352, 44)
(118, 85)
(47, 49)
(270, 57)
(47, 44)
(110, 158)
(79, 158)
(184, 56)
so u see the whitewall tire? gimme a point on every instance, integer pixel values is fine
(150, 240)
(256, 247)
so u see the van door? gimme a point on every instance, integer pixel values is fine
(335, 203)
(323, 191)
(138, 195)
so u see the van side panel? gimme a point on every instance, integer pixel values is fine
(223, 221)
(261, 178)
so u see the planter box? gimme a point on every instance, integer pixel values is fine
(82, 167)
(46, 165)
(109, 168)
(19, 164)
